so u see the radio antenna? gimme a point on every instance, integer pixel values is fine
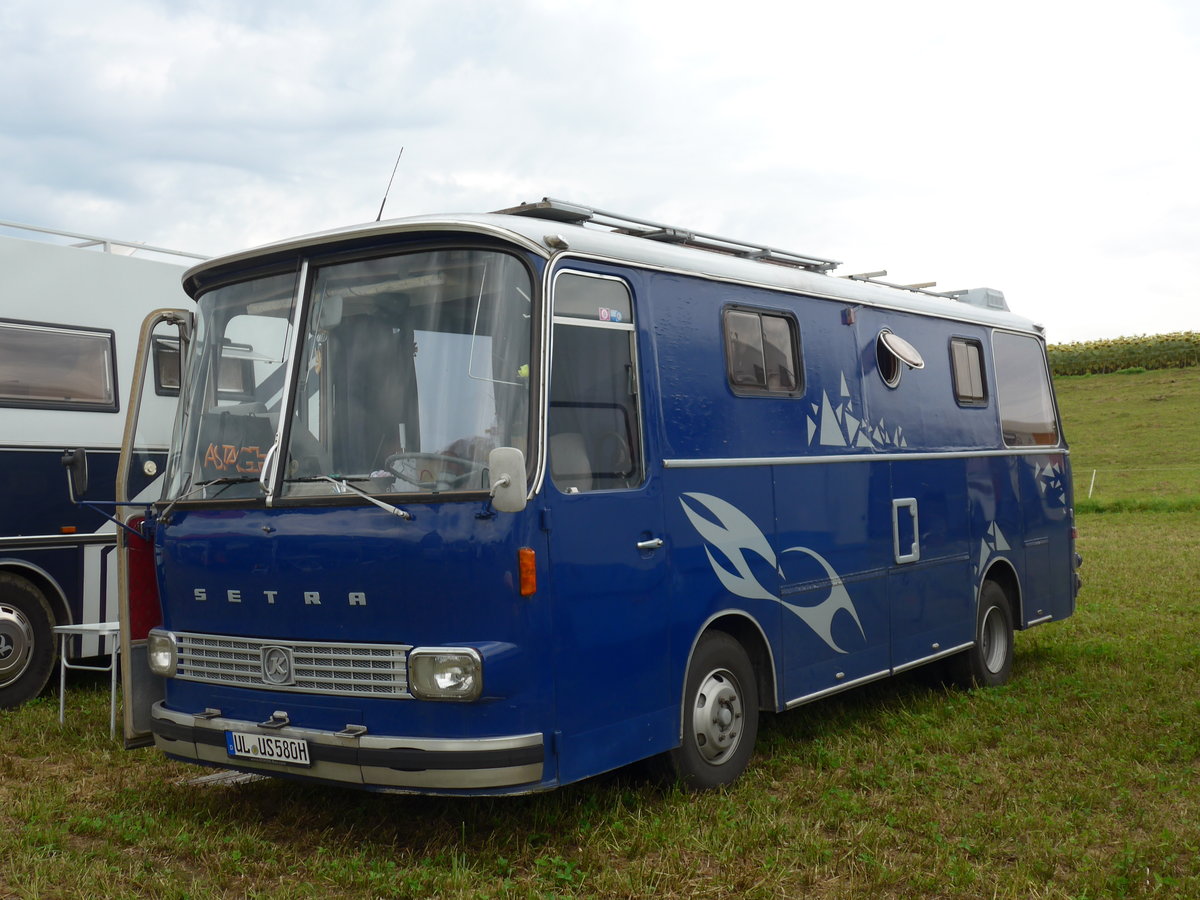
(389, 187)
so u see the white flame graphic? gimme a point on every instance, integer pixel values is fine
(735, 534)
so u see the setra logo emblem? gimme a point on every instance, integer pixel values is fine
(277, 665)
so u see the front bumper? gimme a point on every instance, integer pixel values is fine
(362, 760)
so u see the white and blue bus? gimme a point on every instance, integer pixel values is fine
(71, 306)
(503, 501)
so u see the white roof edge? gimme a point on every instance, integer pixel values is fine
(531, 233)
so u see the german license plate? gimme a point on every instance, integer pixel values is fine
(268, 748)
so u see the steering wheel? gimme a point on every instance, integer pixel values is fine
(452, 481)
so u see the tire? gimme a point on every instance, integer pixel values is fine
(989, 662)
(26, 641)
(720, 715)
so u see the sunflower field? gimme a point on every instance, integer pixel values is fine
(1139, 353)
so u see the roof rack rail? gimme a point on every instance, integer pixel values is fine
(920, 288)
(577, 214)
(99, 244)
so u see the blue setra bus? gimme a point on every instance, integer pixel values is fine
(498, 502)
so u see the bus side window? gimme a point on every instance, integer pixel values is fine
(57, 367)
(594, 428)
(1023, 388)
(762, 353)
(966, 364)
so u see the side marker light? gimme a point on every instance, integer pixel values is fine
(527, 568)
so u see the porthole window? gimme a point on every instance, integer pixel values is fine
(892, 354)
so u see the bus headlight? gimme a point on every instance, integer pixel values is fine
(162, 654)
(445, 673)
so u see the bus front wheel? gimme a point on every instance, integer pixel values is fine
(720, 715)
(26, 641)
(989, 662)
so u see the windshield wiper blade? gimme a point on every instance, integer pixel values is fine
(224, 481)
(343, 485)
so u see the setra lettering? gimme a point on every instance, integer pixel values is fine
(272, 597)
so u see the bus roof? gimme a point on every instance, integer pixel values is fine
(551, 227)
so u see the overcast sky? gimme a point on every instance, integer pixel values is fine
(1050, 149)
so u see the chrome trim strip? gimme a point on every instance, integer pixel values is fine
(857, 458)
(57, 540)
(383, 761)
(932, 658)
(15, 446)
(837, 689)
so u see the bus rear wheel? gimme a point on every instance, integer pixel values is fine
(720, 715)
(989, 662)
(26, 641)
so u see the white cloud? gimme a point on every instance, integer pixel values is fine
(1043, 148)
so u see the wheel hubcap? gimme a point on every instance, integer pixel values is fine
(993, 641)
(16, 644)
(717, 718)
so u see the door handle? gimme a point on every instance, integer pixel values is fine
(909, 504)
(652, 544)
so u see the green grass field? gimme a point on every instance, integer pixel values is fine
(1139, 434)
(1076, 780)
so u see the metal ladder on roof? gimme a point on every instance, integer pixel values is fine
(577, 214)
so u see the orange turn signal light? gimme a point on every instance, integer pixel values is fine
(527, 568)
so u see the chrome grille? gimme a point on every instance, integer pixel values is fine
(375, 670)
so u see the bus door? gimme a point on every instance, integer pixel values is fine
(162, 348)
(604, 513)
(930, 586)
(931, 591)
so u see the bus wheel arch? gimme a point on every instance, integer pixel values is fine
(988, 662)
(748, 633)
(1001, 571)
(721, 701)
(27, 651)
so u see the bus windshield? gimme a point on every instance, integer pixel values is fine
(411, 369)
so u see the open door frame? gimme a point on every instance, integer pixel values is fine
(140, 688)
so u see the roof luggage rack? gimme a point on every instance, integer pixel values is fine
(576, 214)
(921, 288)
(99, 244)
(983, 297)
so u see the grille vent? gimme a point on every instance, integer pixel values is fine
(373, 670)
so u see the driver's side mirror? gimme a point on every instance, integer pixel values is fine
(509, 485)
(75, 462)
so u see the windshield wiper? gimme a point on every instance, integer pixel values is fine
(343, 485)
(224, 481)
